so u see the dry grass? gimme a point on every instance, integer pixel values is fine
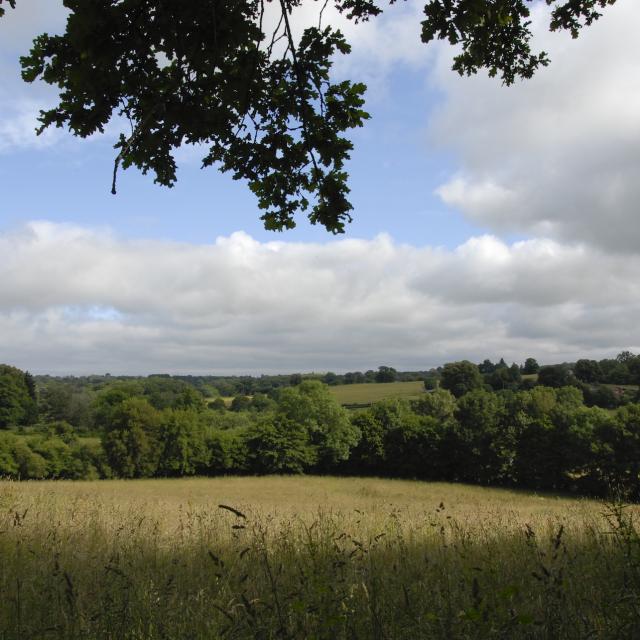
(311, 558)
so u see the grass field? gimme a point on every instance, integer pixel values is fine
(305, 557)
(366, 394)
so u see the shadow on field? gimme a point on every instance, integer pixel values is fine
(87, 572)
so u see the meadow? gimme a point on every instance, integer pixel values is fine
(308, 557)
(365, 394)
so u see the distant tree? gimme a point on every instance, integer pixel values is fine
(241, 403)
(440, 404)
(369, 454)
(412, 447)
(599, 395)
(218, 405)
(131, 440)
(62, 430)
(262, 403)
(634, 369)
(55, 400)
(531, 366)
(587, 370)
(31, 386)
(504, 377)
(431, 382)
(110, 399)
(539, 402)
(183, 450)
(165, 392)
(369, 375)
(330, 431)
(330, 378)
(226, 452)
(625, 357)
(485, 448)
(555, 375)
(29, 464)
(461, 377)
(619, 448)
(354, 377)
(295, 379)
(17, 406)
(386, 374)
(277, 444)
(486, 366)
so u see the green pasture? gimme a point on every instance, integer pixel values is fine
(366, 394)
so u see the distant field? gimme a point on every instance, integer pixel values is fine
(305, 557)
(624, 387)
(365, 394)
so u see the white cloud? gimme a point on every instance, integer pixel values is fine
(556, 155)
(18, 126)
(79, 300)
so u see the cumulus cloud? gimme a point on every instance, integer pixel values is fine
(556, 155)
(18, 126)
(77, 300)
(21, 103)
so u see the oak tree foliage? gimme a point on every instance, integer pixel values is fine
(260, 100)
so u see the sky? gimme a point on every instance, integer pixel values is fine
(489, 222)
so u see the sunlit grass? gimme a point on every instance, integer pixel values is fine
(368, 393)
(305, 557)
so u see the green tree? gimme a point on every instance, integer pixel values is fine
(262, 403)
(485, 446)
(132, 441)
(331, 433)
(108, 402)
(18, 460)
(634, 370)
(218, 405)
(461, 377)
(555, 438)
(164, 392)
(369, 454)
(486, 366)
(587, 370)
(17, 404)
(531, 366)
(210, 73)
(619, 449)
(504, 377)
(277, 444)
(555, 375)
(241, 403)
(182, 442)
(386, 374)
(439, 404)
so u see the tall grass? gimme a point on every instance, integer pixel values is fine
(163, 560)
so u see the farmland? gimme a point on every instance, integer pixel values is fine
(366, 394)
(308, 557)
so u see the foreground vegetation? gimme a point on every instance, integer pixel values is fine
(311, 558)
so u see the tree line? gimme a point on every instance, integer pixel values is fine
(542, 437)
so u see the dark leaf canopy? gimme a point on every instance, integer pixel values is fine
(261, 104)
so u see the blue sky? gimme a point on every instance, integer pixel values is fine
(394, 172)
(488, 222)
